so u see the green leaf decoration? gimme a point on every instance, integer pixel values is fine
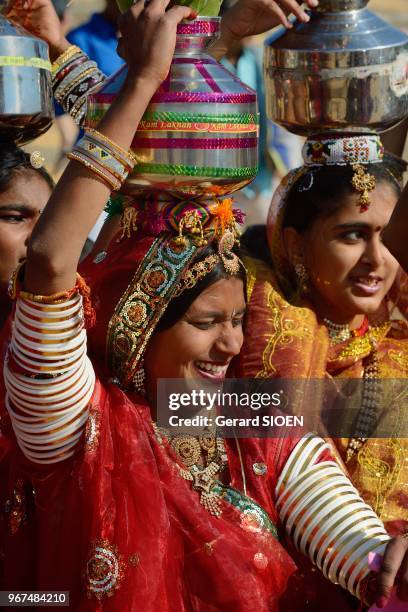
(206, 8)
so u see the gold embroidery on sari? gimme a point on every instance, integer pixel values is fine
(361, 345)
(400, 359)
(284, 330)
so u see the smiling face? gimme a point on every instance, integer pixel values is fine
(350, 269)
(204, 341)
(20, 206)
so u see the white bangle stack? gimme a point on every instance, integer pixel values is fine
(49, 378)
(325, 516)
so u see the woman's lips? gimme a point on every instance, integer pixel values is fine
(369, 285)
(210, 370)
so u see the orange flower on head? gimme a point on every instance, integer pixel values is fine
(223, 215)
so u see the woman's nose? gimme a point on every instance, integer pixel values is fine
(374, 252)
(230, 339)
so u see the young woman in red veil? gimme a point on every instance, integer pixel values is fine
(95, 500)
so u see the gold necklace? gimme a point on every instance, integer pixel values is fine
(189, 449)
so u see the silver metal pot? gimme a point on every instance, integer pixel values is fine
(26, 102)
(345, 70)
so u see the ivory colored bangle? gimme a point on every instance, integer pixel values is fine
(35, 367)
(50, 413)
(29, 415)
(325, 513)
(307, 523)
(47, 433)
(59, 357)
(341, 525)
(57, 407)
(63, 309)
(375, 537)
(54, 449)
(42, 397)
(46, 351)
(316, 499)
(294, 490)
(302, 508)
(53, 456)
(309, 445)
(344, 544)
(360, 571)
(49, 387)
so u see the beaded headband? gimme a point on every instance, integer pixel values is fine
(352, 151)
(362, 149)
(199, 270)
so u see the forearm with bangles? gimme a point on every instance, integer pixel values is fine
(325, 517)
(81, 194)
(73, 77)
(48, 377)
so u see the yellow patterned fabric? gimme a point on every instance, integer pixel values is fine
(286, 340)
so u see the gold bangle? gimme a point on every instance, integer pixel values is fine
(65, 56)
(127, 154)
(112, 183)
(56, 298)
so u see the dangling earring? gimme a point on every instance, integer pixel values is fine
(302, 278)
(139, 380)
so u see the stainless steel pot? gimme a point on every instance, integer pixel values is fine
(345, 70)
(26, 102)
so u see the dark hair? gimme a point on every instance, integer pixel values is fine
(319, 193)
(179, 305)
(254, 242)
(14, 160)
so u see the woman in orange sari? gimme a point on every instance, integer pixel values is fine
(330, 302)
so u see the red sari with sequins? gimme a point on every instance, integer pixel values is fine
(117, 526)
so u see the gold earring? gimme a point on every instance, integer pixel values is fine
(302, 278)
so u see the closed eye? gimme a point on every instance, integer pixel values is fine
(202, 324)
(10, 218)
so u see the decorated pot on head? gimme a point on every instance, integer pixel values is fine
(344, 71)
(26, 101)
(199, 134)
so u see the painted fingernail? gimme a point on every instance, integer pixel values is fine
(381, 602)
